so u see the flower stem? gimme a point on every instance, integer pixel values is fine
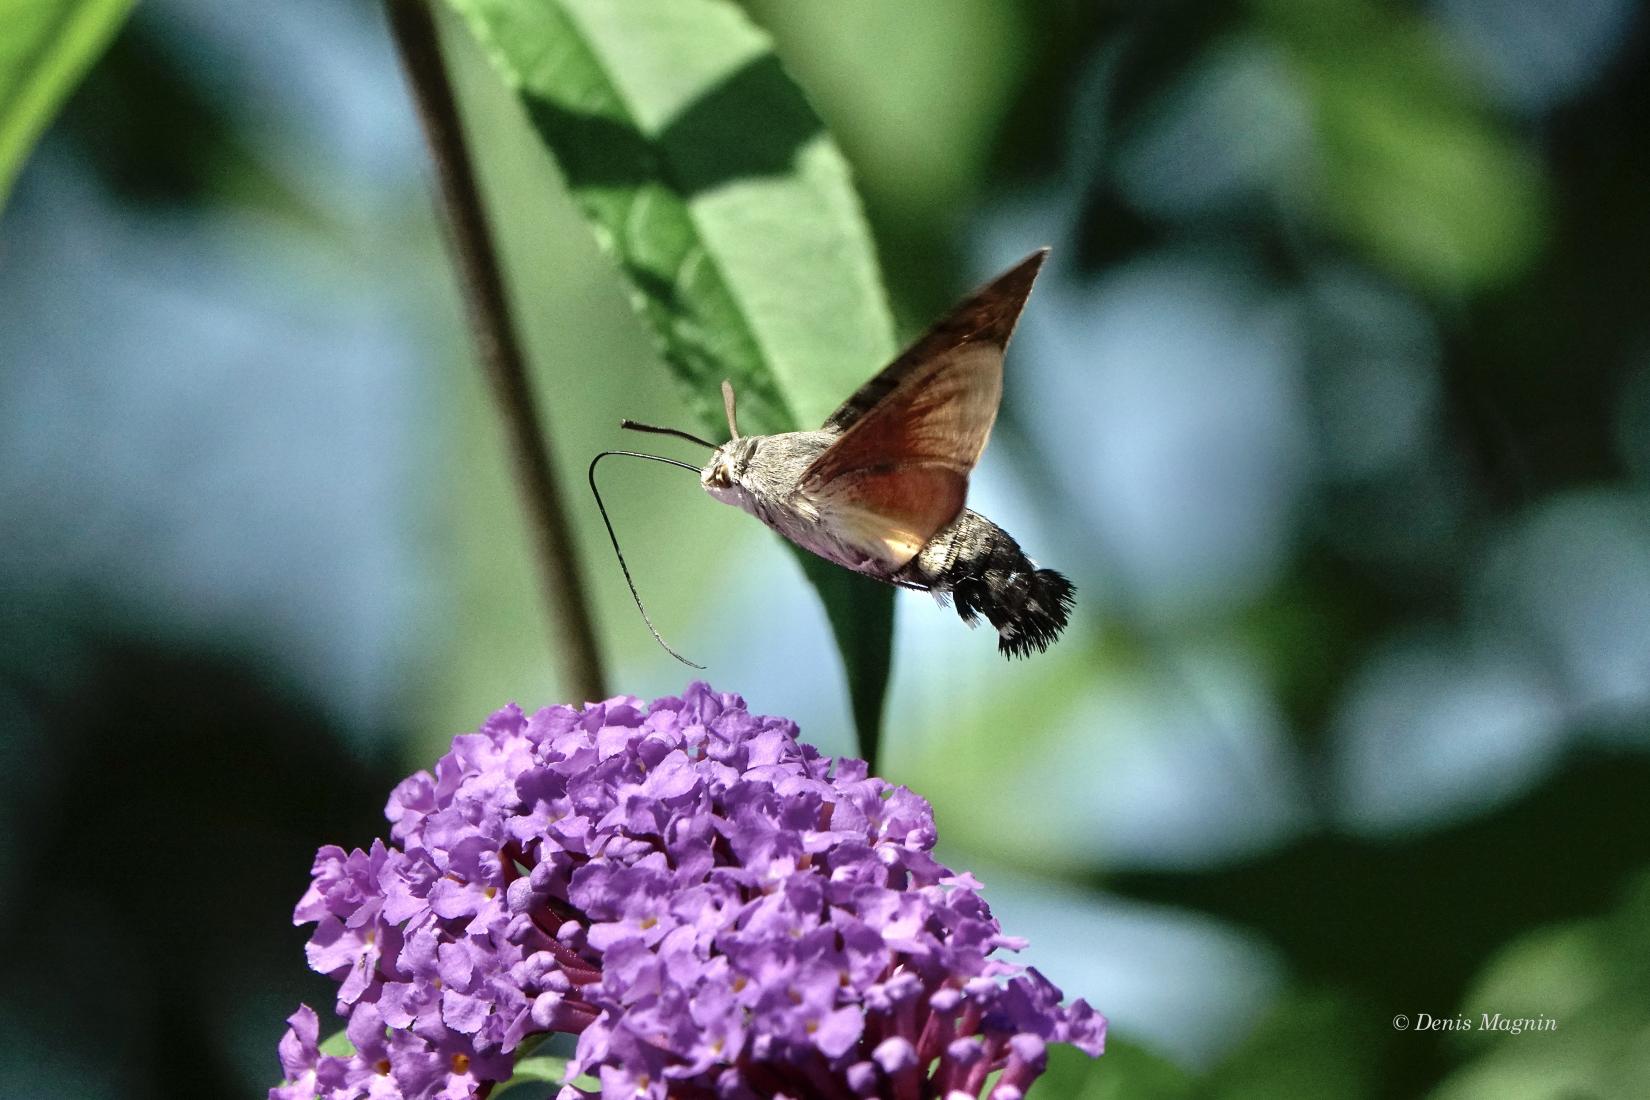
(572, 634)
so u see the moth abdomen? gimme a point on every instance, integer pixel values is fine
(984, 571)
(1029, 609)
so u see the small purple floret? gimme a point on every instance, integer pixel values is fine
(712, 907)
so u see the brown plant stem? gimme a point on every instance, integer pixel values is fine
(572, 634)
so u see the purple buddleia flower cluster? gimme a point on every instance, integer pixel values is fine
(712, 907)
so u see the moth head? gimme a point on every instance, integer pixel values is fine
(724, 474)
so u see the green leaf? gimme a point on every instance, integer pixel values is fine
(862, 618)
(1124, 1072)
(46, 46)
(337, 1044)
(707, 177)
(542, 1069)
(538, 1070)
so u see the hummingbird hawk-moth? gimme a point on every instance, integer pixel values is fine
(881, 486)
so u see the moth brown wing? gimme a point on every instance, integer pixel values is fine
(988, 315)
(911, 435)
(890, 514)
(900, 473)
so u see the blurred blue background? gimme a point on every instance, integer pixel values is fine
(1334, 400)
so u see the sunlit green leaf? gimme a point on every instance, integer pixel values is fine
(337, 1044)
(46, 46)
(711, 182)
(920, 127)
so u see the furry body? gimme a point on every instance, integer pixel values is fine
(971, 561)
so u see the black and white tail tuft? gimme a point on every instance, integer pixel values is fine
(984, 572)
(1029, 607)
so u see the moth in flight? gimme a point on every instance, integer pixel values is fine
(881, 487)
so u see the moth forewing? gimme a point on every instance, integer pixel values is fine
(900, 473)
(912, 434)
(989, 315)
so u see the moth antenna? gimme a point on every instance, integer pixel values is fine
(633, 426)
(728, 404)
(614, 539)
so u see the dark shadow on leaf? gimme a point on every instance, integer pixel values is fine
(595, 151)
(751, 125)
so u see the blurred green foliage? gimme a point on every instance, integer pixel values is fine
(45, 48)
(1588, 979)
(1409, 162)
(1397, 766)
